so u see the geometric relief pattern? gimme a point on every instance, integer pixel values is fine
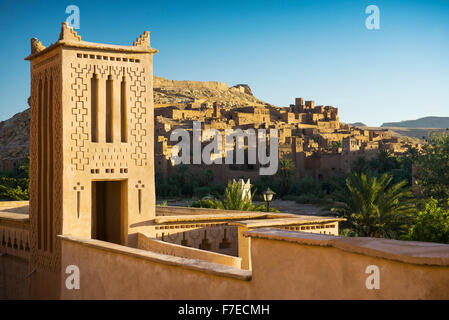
(109, 157)
(138, 110)
(47, 260)
(15, 240)
(116, 72)
(58, 163)
(80, 135)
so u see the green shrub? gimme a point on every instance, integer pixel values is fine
(432, 167)
(262, 207)
(308, 198)
(290, 197)
(348, 232)
(201, 192)
(263, 182)
(14, 184)
(168, 190)
(308, 186)
(232, 200)
(13, 193)
(431, 224)
(208, 203)
(218, 189)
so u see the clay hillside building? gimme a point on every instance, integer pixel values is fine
(310, 135)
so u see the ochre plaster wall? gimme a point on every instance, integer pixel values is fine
(109, 275)
(13, 284)
(281, 269)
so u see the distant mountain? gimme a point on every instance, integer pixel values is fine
(358, 124)
(427, 122)
(418, 133)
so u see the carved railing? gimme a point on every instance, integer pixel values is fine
(331, 229)
(15, 237)
(211, 236)
(218, 230)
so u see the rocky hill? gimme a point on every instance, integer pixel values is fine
(410, 135)
(358, 124)
(175, 92)
(419, 128)
(417, 133)
(14, 140)
(426, 123)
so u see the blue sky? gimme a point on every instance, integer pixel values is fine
(319, 50)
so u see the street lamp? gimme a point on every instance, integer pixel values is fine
(268, 197)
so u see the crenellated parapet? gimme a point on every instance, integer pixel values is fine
(36, 46)
(68, 34)
(143, 40)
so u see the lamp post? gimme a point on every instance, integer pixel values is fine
(268, 197)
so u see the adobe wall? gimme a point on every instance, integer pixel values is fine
(291, 265)
(13, 284)
(285, 265)
(109, 271)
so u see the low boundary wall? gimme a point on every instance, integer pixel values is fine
(286, 265)
(146, 242)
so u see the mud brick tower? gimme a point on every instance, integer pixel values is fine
(91, 145)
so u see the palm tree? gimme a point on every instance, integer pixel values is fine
(234, 199)
(375, 208)
(286, 170)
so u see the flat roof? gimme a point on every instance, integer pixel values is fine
(296, 220)
(92, 45)
(15, 211)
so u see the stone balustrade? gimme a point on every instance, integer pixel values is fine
(14, 229)
(210, 235)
